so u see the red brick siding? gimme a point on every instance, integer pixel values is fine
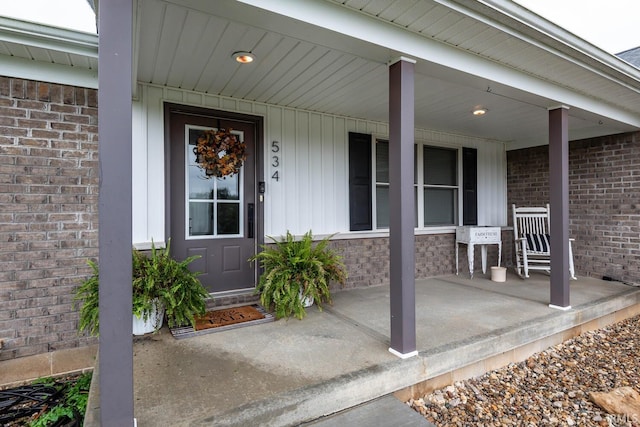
(604, 200)
(48, 212)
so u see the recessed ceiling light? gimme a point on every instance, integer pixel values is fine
(479, 111)
(243, 57)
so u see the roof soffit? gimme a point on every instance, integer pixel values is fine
(532, 28)
(511, 19)
(45, 53)
(48, 37)
(395, 39)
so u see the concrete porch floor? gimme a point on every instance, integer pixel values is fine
(289, 372)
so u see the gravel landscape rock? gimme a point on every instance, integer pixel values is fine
(549, 388)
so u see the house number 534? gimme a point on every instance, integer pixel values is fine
(275, 160)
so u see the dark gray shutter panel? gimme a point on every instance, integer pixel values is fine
(360, 182)
(469, 186)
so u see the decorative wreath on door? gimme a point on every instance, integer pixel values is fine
(219, 153)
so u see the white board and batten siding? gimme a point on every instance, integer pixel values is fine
(311, 192)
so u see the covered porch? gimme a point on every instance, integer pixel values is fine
(321, 72)
(290, 372)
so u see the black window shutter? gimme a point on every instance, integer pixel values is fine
(359, 182)
(469, 186)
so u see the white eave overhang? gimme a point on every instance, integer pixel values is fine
(522, 23)
(40, 52)
(504, 15)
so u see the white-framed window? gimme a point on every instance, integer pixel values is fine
(440, 185)
(436, 184)
(381, 174)
(444, 184)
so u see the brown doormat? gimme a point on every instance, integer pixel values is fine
(227, 316)
(224, 319)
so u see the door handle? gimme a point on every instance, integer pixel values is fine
(251, 219)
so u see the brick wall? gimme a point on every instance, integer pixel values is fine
(367, 260)
(48, 212)
(604, 200)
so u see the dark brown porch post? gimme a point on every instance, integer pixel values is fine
(114, 233)
(559, 200)
(401, 209)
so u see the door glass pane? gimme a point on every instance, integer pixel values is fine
(440, 166)
(382, 206)
(200, 219)
(199, 186)
(193, 138)
(228, 218)
(228, 188)
(220, 214)
(382, 161)
(439, 206)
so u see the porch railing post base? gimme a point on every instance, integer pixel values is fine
(557, 307)
(403, 355)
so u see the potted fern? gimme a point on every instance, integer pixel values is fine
(161, 287)
(295, 271)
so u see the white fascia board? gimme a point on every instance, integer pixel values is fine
(48, 37)
(551, 38)
(541, 25)
(21, 68)
(342, 20)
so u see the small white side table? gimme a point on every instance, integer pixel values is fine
(478, 235)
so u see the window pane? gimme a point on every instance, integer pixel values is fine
(382, 206)
(228, 188)
(199, 186)
(200, 219)
(440, 166)
(228, 218)
(415, 164)
(439, 206)
(415, 204)
(382, 161)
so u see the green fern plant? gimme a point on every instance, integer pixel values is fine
(297, 269)
(161, 277)
(157, 278)
(88, 294)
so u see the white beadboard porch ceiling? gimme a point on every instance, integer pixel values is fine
(188, 44)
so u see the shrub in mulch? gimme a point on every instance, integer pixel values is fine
(47, 402)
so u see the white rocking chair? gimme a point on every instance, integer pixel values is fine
(531, 240)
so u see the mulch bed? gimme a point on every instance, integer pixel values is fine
(24, 404)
